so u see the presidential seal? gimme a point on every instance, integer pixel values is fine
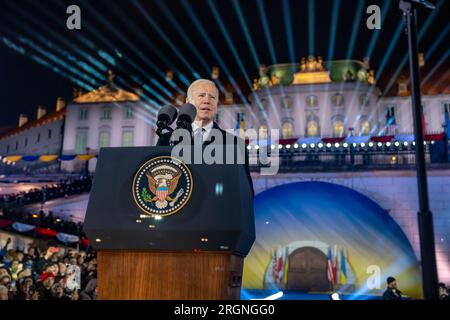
(162, 186)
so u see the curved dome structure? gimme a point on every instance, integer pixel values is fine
(326, 218)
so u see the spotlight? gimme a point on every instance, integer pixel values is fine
(320, 145)
(34, 216)
(371, 144)
(288, 146)
(328, 145)
(336, 145)
(303, 145)
(312, 145)
(405, 143)
(397, 143)
(256, 147)
(345, 145)
(388, 144)
(249, 147)
(280, 146)
(363, 144)
(413, 143)
(296, 146)
(379, 144)
(272, 146)
(432, 142)
(335, 296)
(354, 144)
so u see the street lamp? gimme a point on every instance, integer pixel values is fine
(425, 217)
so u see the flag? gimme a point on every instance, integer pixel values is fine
(343, 268)
(330, 266)
(424, 124)
(335, 265)
(277, 266)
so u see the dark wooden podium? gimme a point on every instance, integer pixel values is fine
(197, 253)
(146, 275)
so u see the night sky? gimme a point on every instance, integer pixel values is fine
(122, 30)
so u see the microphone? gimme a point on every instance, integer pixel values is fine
(186, 116)
(166, 116)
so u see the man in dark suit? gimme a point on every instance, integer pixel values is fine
(204, 95)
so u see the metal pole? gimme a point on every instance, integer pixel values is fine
(425, 217)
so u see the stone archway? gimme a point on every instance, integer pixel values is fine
(307, 270)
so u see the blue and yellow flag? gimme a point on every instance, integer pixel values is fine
(343, 268)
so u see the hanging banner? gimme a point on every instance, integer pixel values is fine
(46, 232)
(67, 157)
(64, 237)
(48, 157)
(5, 223)
(22, 227)
(84, 157)
(30, 158)
(13, 158)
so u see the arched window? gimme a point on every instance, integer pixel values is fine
(365, 127)
(312, 128)
(287, 129)
(262, 132)
(338, 128)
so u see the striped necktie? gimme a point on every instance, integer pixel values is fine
(198, 136)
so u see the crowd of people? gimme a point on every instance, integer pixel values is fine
(62, 189)
(43, 219)
(48, 273)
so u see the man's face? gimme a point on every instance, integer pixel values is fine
(393, 285)
(47, 283)
(3, 272)
(205, 99)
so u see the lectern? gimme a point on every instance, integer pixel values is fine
(165, 228)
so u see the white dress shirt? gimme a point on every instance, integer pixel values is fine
(197, 126)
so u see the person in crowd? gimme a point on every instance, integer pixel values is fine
(443, 292)
(90, 292)
(3, 293)
(392, 292)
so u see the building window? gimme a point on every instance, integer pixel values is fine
(312, 101)
(83, 115)
(337, 100)
(264, 104)
(262, 132)
(446, 106)
(104, 139)
(389, 112)
(81, 142)
(364, 100)
(338, 128)
(38, 139)
(49, 133)
(129, 112)
(106, 113)
(312, 129)
(127, 138)
(365, 127)
(286, 103)
(240, 120)
(287, 129)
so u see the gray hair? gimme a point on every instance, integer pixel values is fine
(190, 89)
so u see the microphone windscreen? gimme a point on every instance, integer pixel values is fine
(188, 112)
(168, 111)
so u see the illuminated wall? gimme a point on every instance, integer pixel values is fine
(321, 215)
